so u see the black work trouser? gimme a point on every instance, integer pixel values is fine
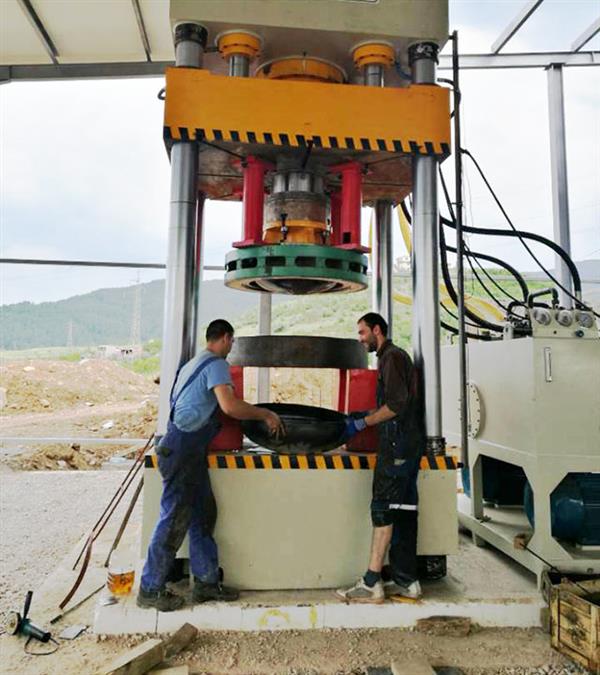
(403, 547)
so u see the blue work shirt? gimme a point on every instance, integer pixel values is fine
(198, 402)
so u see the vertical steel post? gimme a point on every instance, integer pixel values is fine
(382, 262)
(462, 339)
(254, 179)
(180, 313)
(381, 252)
(426, 323)
(263, 386)
(558, 167)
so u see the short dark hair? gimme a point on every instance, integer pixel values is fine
(373, 319)
(217, 329)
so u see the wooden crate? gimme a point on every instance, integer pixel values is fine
(576, 623)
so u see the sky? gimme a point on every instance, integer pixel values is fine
(84, 173)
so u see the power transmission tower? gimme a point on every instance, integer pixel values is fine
(70, 333)
(136, 318)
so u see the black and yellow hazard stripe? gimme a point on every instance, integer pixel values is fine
(244, 460)
(410, 147)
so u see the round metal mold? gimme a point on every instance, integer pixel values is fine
(307, 429)
(296, 269)
(297, 351)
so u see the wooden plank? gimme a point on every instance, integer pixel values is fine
(579, 603)
(138, 660)
(574, 616)
(412, 667)
(594, 664)
(180, 640)
(572, 654)
(452, 626)
(574, 635)
(554, 614)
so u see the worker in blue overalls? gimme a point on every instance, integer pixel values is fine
(187, 503)
(401, 439)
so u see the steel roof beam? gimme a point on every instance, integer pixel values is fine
(586, 36)
(515, 25)
(84, 71)
(139, 17)
(40, 29)
(524, 60)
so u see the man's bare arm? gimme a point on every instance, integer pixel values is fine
(382, 414)
(235, 407)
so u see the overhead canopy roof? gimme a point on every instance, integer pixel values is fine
(48, 39)
(34, 32)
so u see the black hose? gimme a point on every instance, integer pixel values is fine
(484, 323)
(534, 237)
(496, 261)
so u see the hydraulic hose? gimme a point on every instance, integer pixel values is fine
(496, 261)
(484, 323)
(534, 237)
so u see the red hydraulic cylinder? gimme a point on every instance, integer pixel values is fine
(254, 170)
(335, 237)
(349, 236)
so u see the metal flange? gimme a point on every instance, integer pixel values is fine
(297, 351)
(296, 269)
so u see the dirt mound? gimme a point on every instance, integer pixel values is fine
(45, 386)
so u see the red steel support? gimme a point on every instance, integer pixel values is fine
(335, 237)
(254, 170)
(351, 203)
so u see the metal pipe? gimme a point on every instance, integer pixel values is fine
(460, 281)
(263, 386)
(181, 298)
(239, 65)
(382, 262)
(560, 186)
(426, 321)
(373, 73)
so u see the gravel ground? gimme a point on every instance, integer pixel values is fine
(44, 514)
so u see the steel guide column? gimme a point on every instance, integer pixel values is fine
(560, 186)
(426, 323)
(381, 253)
(181, 296)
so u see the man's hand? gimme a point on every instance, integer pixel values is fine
(274, 424)
(354, 426)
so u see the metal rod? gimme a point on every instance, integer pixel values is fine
(239, 65)
(382, 262)
(263, 386)
(515, 25)
(179, 329)
(586, 36)
(426, 320)
(123, 525)
(560, 186)
(460, 277)
(139, 17)
(373, 75)
(40, 29)
(96, 263)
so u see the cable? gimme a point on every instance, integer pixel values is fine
(465, 247)
(528, 235)
(30, 653)
(479, 321)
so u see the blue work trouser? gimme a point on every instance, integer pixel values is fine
(187, 505)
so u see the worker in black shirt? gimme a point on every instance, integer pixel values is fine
(401, 436)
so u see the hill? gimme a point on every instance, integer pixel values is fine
(105, 316)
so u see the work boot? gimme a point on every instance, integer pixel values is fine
(394, 589)
(163, 601)
(204, 592)
(360, 592)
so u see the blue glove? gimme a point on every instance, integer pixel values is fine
(354, 426)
